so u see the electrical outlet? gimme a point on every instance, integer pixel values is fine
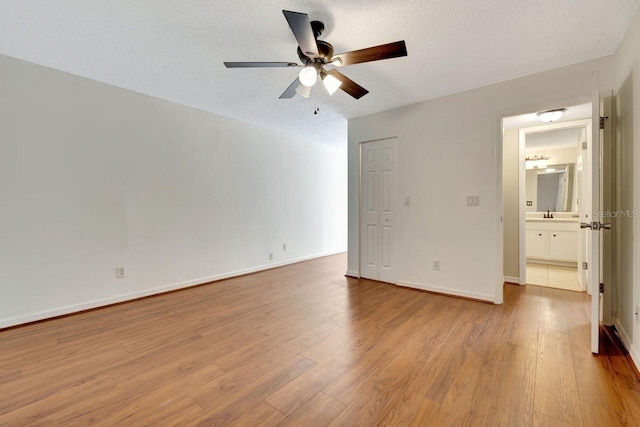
(436, 264)
(270, 257)
(121, 272)
(284, 246)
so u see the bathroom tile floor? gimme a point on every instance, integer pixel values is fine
(553, 276)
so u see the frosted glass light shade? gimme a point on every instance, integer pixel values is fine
(308, 76)
(331, 84)
(303, 91)
(551, 115)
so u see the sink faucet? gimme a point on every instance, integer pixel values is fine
(548, 214)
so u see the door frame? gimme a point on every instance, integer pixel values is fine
(522, 196)
(394, 192)
(499, 153)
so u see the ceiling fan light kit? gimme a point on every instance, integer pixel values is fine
(308, 76)
(303, 91)
(315, 54)
(331, 83)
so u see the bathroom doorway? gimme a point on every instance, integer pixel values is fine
(545, 195)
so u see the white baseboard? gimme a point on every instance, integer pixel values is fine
(633, 352)
(88, 305)
(509, 279)
(353, 273)
(447, 291)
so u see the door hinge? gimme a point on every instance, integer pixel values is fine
(602, 119)
(585, 265)
(601, 288)
(584, 145)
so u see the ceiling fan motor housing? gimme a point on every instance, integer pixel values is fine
(325, 53)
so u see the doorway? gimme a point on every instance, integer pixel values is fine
(545, 196)
(555, 195)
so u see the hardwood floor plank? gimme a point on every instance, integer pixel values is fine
(304, 345)
(261, 414)
(556, 387)
(48, 409)
(149, 410)
(507, 388)
(319, 411)
(552, 311)
(141, 394)
(380, 356)
(598, 416)
(541, 420)
(526, 326)
(228, 406)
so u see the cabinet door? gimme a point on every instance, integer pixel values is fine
(563, 245)
(536, 243)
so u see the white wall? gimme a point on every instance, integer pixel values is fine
(627, 89)
(93, 177)
(557, 156)
(450, 148)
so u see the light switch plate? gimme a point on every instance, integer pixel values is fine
(407, 201)
(473, 200)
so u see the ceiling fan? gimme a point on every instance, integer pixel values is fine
(315, 54)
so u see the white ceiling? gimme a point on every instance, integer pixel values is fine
(553, 139)
(174, 49)
(574, 112)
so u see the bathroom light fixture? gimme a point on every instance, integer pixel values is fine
(551, 115)
(536, 162)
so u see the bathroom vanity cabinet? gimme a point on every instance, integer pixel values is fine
(552, 240)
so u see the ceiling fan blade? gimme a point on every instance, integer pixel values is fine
(291, 90)
(259, 64)
(348, 85)
(301, 28)
(375, 53)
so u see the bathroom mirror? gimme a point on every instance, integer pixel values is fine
(552, 188)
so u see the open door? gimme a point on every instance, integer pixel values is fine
(600, 155)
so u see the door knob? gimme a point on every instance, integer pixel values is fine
(595, 225)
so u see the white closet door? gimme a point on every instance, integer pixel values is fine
(377, 192)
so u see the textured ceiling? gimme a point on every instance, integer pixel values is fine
(174, 49)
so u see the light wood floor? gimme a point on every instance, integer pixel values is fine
(305, 346)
